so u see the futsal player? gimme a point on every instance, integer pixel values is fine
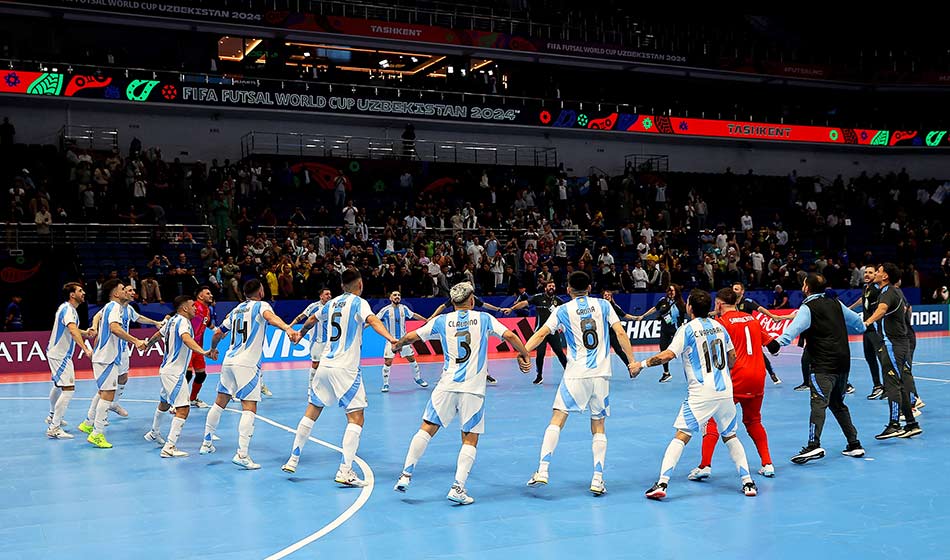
(672, 312)
(461, 388)
(202, 320)
(394, 317)
(623, 315)
(180, 344)
(585, 322)
(310, 316)
(479, 302)
(708, 356)
(241, 370)
(545, 304)
(747, 305)
(748, 383)
(59, 354)
(339, 380)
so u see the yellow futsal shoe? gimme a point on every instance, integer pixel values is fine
(85, 427)
(99, 440)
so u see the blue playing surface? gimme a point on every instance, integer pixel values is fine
(66, 499)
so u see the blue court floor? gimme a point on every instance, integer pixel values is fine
(66, 499)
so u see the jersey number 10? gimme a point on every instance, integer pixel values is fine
(717, 357)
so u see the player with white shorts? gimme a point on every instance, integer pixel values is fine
(708, 355)
(585, 322)
(178, 334)
(461, 389)
(59, 354)
(310, 317)
(338, 381)
(240, 372)
(394, 317)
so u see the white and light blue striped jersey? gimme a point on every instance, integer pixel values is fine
(247, 326)
(586, 323)
(394, 317)
(704, 346)
(177, 354)
(109, 347)
(61, 343)
(464, 335)
(132, 316)
(319, 330)
(346, 316)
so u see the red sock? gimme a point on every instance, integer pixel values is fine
(195, 387)
(710, 435)
(761, 440)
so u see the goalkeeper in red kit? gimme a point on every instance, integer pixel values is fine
(204, 319)
(748, 382)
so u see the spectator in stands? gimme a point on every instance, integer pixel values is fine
(779, 298)
(640, 278)
(349, 215)
(339, 189)
(151, 291)
(234, 288)
(43, 219)
(132, 280)
(941, 295)
(409, 141)
(14, 314)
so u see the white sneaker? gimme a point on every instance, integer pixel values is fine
(347, 477)
(62, 423)
(920, 403)
(537, 479)
(152, 435)
(206, 448)
(458, 495)
(170, 451)
(245, 462)
(699, 473)
(385, 388)
(198, 403)
(768, 471)
(403, 483)
(58, 433)
(214, 437)
(265, 391)
(597, 486)
(421, 382)
(118, 409)
(291, 465)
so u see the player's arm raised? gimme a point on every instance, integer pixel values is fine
(418, 317)
(276, 321)
(436, 313)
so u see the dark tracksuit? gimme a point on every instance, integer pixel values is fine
(869, 302)
(614, 341)
(544, 306)
(671, 317)
(747, 305)
(893, 351)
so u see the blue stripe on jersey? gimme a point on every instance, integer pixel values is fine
(483, 341)
(588, 316)
(176, 390)
(438, 329)
(351, 392)
(61, 369)
(475, 419)
(605, 311)
(564, 320)
(711, 338)
(255, 324)
(460, 372)
(354, 325)
(60, 328)
(176, 340)
(104, 332)
(105, 374)
(431, 415)
(567, 398)
(694, 360)
(335, 344)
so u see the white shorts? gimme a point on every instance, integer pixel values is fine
(444, 405)
(578, 395)
(174, 389)
(241, 382)
(405, 352)
(106, 375)
(124, 361)
(695, 413)
(63, 374)
(316, 350)
(337, 386)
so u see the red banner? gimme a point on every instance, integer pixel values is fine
(25, 352)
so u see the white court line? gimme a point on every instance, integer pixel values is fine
(361, 500)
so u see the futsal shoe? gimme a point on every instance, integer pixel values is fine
(538, 380)
(910, 430)
(890, 431)
(802, 387)
(99, 440)
(808, 453)
(347, 477)
(597, 486)
(385, 388)
(58, 433)
(458, 495)
(853, 450)
(265, 391)
(206, 448)
(665, 377)
(657, 491)
(170, 451)
(699, 473)
(749, 489)
(537, 479)
(492, 380)
(918, 405)
(198, 403)
(421, 382)
(63, 424)
(155, 437)
(768, 471)
(403, 483)
(246, 462)
(291, 465)
(849, 390)
(118, 409)
(85, 427)
(776, 380)
(876, 393)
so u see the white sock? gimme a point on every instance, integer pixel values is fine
(351, 442)
(672, 456)
(118, 394)
(54, 394)
(415, 369)
(245, 431)
(313, 371)
(551, 435)
(102, 412)
(211, 422)
(465, 462)
(737, 452)
(157, 419)
(386, 370)
(599, 447)
(417, 447)
(304, 427)
(91, 413)
(60, 409)
(175, 431)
